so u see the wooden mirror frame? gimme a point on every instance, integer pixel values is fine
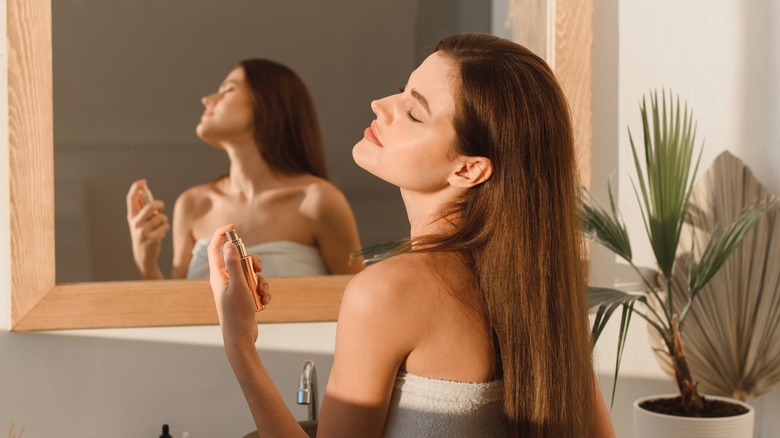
(39, 303)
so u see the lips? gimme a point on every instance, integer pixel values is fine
(370, 134)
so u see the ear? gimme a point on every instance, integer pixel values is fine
(471, 171)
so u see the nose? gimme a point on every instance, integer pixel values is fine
(383, 109)
(207, 100)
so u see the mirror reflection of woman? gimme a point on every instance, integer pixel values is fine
(481, 329)
(276, 193)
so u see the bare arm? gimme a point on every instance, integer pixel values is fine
(601, 426)
(183, 239)
(367, 358)
(375, 333)
(236, 311)
(334, 228)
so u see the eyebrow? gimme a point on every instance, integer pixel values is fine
(228, 82)
(423, 101)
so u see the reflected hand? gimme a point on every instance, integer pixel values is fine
(148, 226)
(232, 297)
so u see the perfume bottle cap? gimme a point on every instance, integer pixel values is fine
(146, 194)
(233, 237)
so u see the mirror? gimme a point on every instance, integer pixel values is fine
(40, 303)
(128, 79)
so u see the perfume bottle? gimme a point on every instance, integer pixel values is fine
(246, 266)
(145, 194)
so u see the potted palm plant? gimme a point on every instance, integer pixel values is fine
(665, 175)
(742, 301)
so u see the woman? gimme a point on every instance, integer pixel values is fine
(276, 193)
(481, 328)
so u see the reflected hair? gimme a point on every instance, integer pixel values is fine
(520, 232)
(286, 126)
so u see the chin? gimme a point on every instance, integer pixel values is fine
(360, 156)
(366, 158)
(204, 136)
(200, 131)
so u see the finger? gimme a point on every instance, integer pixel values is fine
(257, 264)
(159, 232)
(264, 290)
(157, 221)
(149, 225)
(151, 211)
(216, 263)
(156, 206)
(133, 197)
(233, 262)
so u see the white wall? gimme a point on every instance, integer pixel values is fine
(721, 57)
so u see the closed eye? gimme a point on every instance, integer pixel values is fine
(409, 113)
(225, 91)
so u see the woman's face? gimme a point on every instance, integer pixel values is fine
(410, 142)
(228, 113)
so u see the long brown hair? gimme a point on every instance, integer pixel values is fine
(287, 130)
(521, 233)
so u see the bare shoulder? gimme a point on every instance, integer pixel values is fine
(383, 302)
(322, 199)
(193, 204)
(390, 284)
(316, 186)
(194, 197)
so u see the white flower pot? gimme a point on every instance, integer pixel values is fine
(649, 424)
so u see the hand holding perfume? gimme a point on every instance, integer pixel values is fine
(246, 266)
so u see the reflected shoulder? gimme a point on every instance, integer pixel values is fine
(199, 193)
(322, 200)
(322, 188)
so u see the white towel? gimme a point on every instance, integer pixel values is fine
(425, 407)
(282, 258)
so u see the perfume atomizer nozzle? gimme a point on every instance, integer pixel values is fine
(233, 237)
(146, 194)
(246, 266)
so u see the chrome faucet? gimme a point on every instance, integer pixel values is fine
(307, 389)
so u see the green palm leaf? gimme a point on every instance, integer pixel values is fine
(665, 182)
(607, 301)
(607, 228)
(376, 253)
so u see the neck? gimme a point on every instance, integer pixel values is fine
(249, 172)
(425, 211)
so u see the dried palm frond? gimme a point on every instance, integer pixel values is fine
(732, 333)
(11, 433)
